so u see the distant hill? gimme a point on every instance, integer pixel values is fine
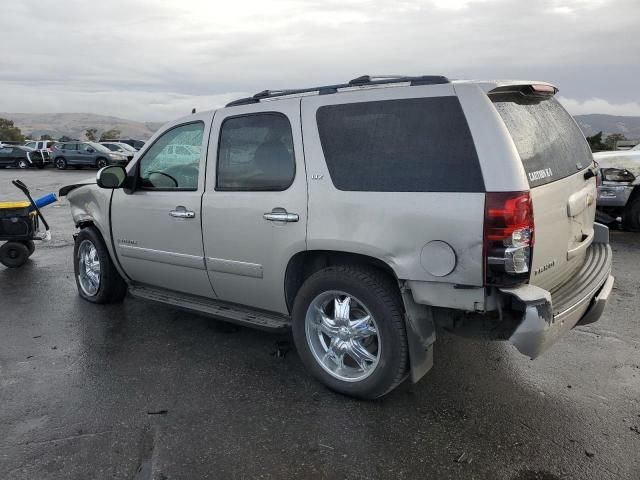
(594, 123)
(74, 124)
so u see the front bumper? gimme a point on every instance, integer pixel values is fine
(546, 316)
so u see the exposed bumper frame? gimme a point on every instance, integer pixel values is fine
(539, 327)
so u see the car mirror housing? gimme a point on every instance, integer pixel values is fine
(112, 176)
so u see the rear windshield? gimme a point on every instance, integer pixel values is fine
(407, 145)
(550, 144)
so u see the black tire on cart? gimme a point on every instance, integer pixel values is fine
(30, 245)
(14, 254)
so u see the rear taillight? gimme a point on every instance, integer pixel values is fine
(508, 238)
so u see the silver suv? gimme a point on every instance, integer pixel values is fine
(361, 215)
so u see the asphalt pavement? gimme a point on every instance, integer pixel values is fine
(144, 391)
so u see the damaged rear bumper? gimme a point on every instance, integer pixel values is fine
(546, 316)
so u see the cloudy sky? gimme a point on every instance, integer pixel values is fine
(155, 60)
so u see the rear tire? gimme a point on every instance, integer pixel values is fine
(14, 254)
(61, 163)
(97, 279)
(101, 163)
(22, 163)
(631, 215)
(349, 354)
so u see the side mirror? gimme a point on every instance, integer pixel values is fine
(617, 175)
(112, 176)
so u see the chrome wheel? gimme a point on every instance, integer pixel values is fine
(88, 268)
(343, 336)
(102, 163)
(23, 164)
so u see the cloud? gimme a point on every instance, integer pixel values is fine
(600, 105)
(148, 58)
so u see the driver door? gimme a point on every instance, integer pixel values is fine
(157, 230)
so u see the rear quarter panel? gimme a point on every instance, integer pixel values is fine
(390, 226)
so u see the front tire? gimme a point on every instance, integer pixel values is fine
(61, 163)
(348, 327)
(97, 279)
(22, 163)
(101, 163)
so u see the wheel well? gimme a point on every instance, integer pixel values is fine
(304, 264)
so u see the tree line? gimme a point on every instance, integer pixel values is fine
(10, 133)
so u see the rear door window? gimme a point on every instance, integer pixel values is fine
(405, 145)
(550, 144)
(255, 152)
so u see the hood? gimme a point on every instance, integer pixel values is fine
(64, 191)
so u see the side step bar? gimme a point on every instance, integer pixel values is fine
(229, 312)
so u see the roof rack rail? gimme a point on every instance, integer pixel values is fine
(364, 80)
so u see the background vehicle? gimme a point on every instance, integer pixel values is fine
(137, 144)
(22, 157)
(44, 146)
(380, 231)
(89, 154)
(619, 191)
(121, 148)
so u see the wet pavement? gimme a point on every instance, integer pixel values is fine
(143, 391)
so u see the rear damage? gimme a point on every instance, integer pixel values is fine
(539, 317)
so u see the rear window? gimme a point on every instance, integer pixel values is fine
(407, 145)
(550, 144)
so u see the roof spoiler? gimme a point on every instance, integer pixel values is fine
(531, 90)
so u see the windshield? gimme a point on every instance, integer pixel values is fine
(550, 144)
(127, 147)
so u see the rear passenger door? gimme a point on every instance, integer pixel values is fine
(255, 202)
(70, 153)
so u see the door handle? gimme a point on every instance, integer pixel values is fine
(281, 215)
(182, 212)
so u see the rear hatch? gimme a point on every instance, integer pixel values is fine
(557, 160)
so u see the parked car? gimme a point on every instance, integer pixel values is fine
(79, 154)
(361, 217)
(22, 157)
(619, 191)
(42, 146)
(137, 144)
(121, 148)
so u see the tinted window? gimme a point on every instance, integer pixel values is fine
(550, 144)
(409, 145)
(85, 147)
(256, 153)
(162, 168)
(69, 146)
